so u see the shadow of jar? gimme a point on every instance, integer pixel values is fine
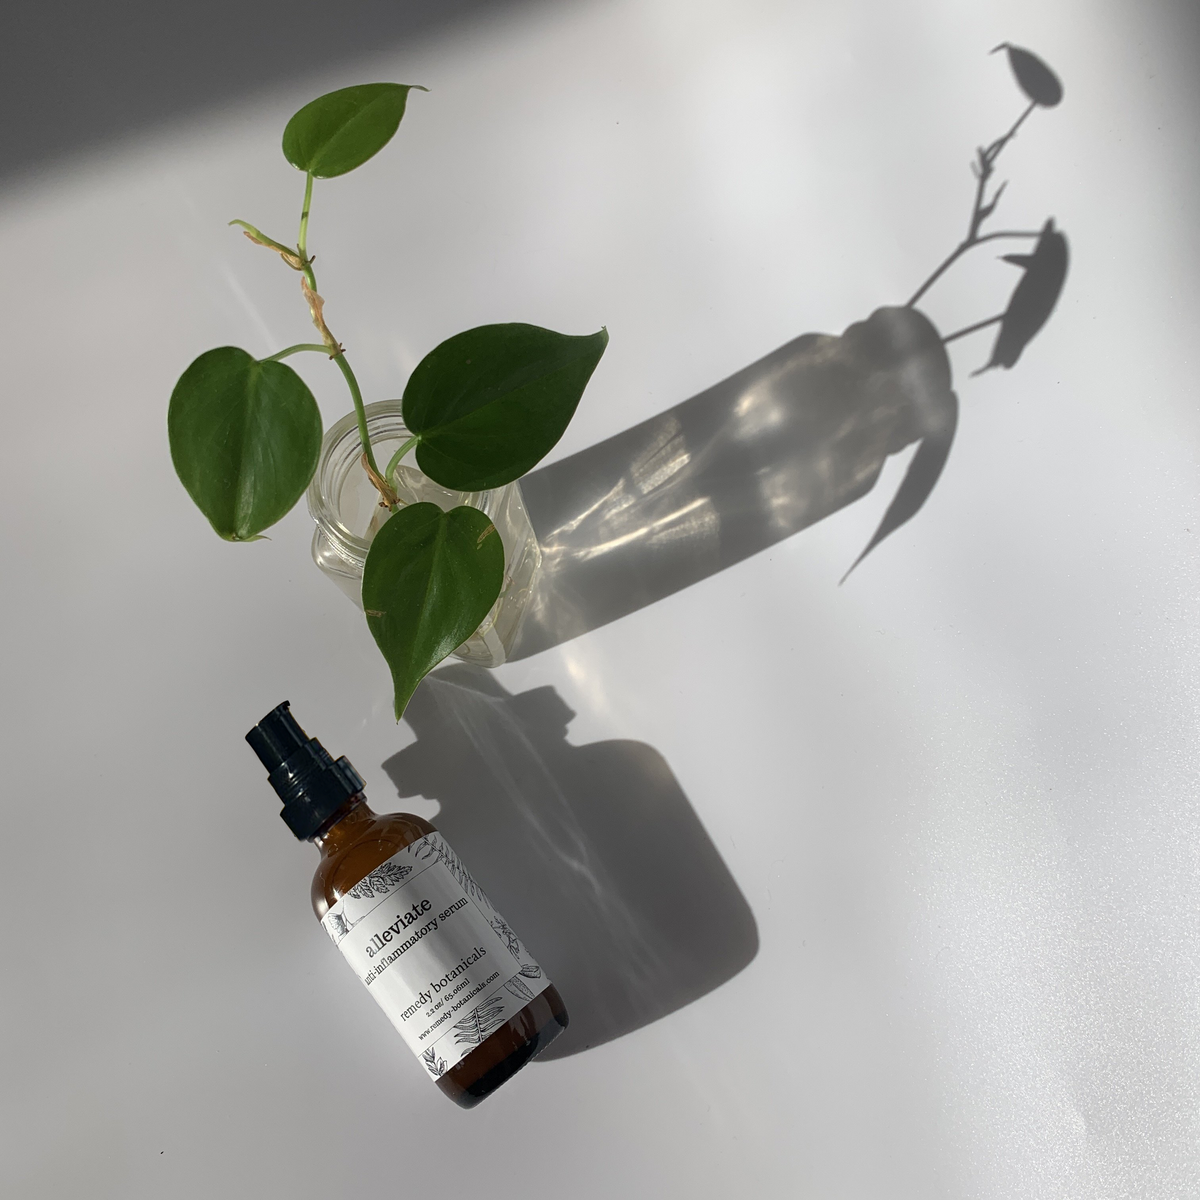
(749, 462)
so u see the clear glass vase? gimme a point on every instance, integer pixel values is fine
(346, 508)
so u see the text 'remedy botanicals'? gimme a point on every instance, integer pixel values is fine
(418, 931)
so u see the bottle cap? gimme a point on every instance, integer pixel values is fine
(311, 785)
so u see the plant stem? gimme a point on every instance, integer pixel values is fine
(300, 261)
(395, 459)
(296, 350)
(980, 211)
(359, 411)
(972, 328)
(257, 235)
(303, 243)
(335, 351)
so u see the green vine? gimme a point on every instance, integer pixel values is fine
(482, 408)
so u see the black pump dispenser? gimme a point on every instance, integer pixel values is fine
(311, 785)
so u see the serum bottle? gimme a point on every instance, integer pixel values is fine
(442, 963)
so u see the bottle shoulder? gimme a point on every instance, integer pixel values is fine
(340, 868)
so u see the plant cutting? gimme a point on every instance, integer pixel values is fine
(479, 411)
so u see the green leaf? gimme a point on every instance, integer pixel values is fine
(490, 403)
(429, 580)
(341, 130)
(244, 436)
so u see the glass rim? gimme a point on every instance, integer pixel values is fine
(340, 451)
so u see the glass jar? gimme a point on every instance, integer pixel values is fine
(347, 511)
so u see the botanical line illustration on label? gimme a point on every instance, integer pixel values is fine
(443, 964)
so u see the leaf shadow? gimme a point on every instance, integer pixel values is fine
(593, 852)
(1043, 274)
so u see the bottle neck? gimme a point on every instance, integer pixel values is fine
(345, 826)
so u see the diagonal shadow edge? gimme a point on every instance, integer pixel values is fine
(75, 76)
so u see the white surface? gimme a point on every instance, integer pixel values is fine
(957, 793)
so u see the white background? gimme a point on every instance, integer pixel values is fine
(957, 793)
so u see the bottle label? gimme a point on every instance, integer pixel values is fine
(440, 960)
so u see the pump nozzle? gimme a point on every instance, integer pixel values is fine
(311, 785)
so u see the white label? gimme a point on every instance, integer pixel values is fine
(440, 960)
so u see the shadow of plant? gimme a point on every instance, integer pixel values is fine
(782, 444)
(592, 852)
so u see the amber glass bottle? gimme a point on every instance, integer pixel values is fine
(442, 963)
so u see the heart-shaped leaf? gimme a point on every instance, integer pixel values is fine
(1034, 77)
(244, 436)
(341, 130)
(429, 580)
(488, 404)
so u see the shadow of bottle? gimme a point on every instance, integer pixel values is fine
(775, 448)
(593, 853)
